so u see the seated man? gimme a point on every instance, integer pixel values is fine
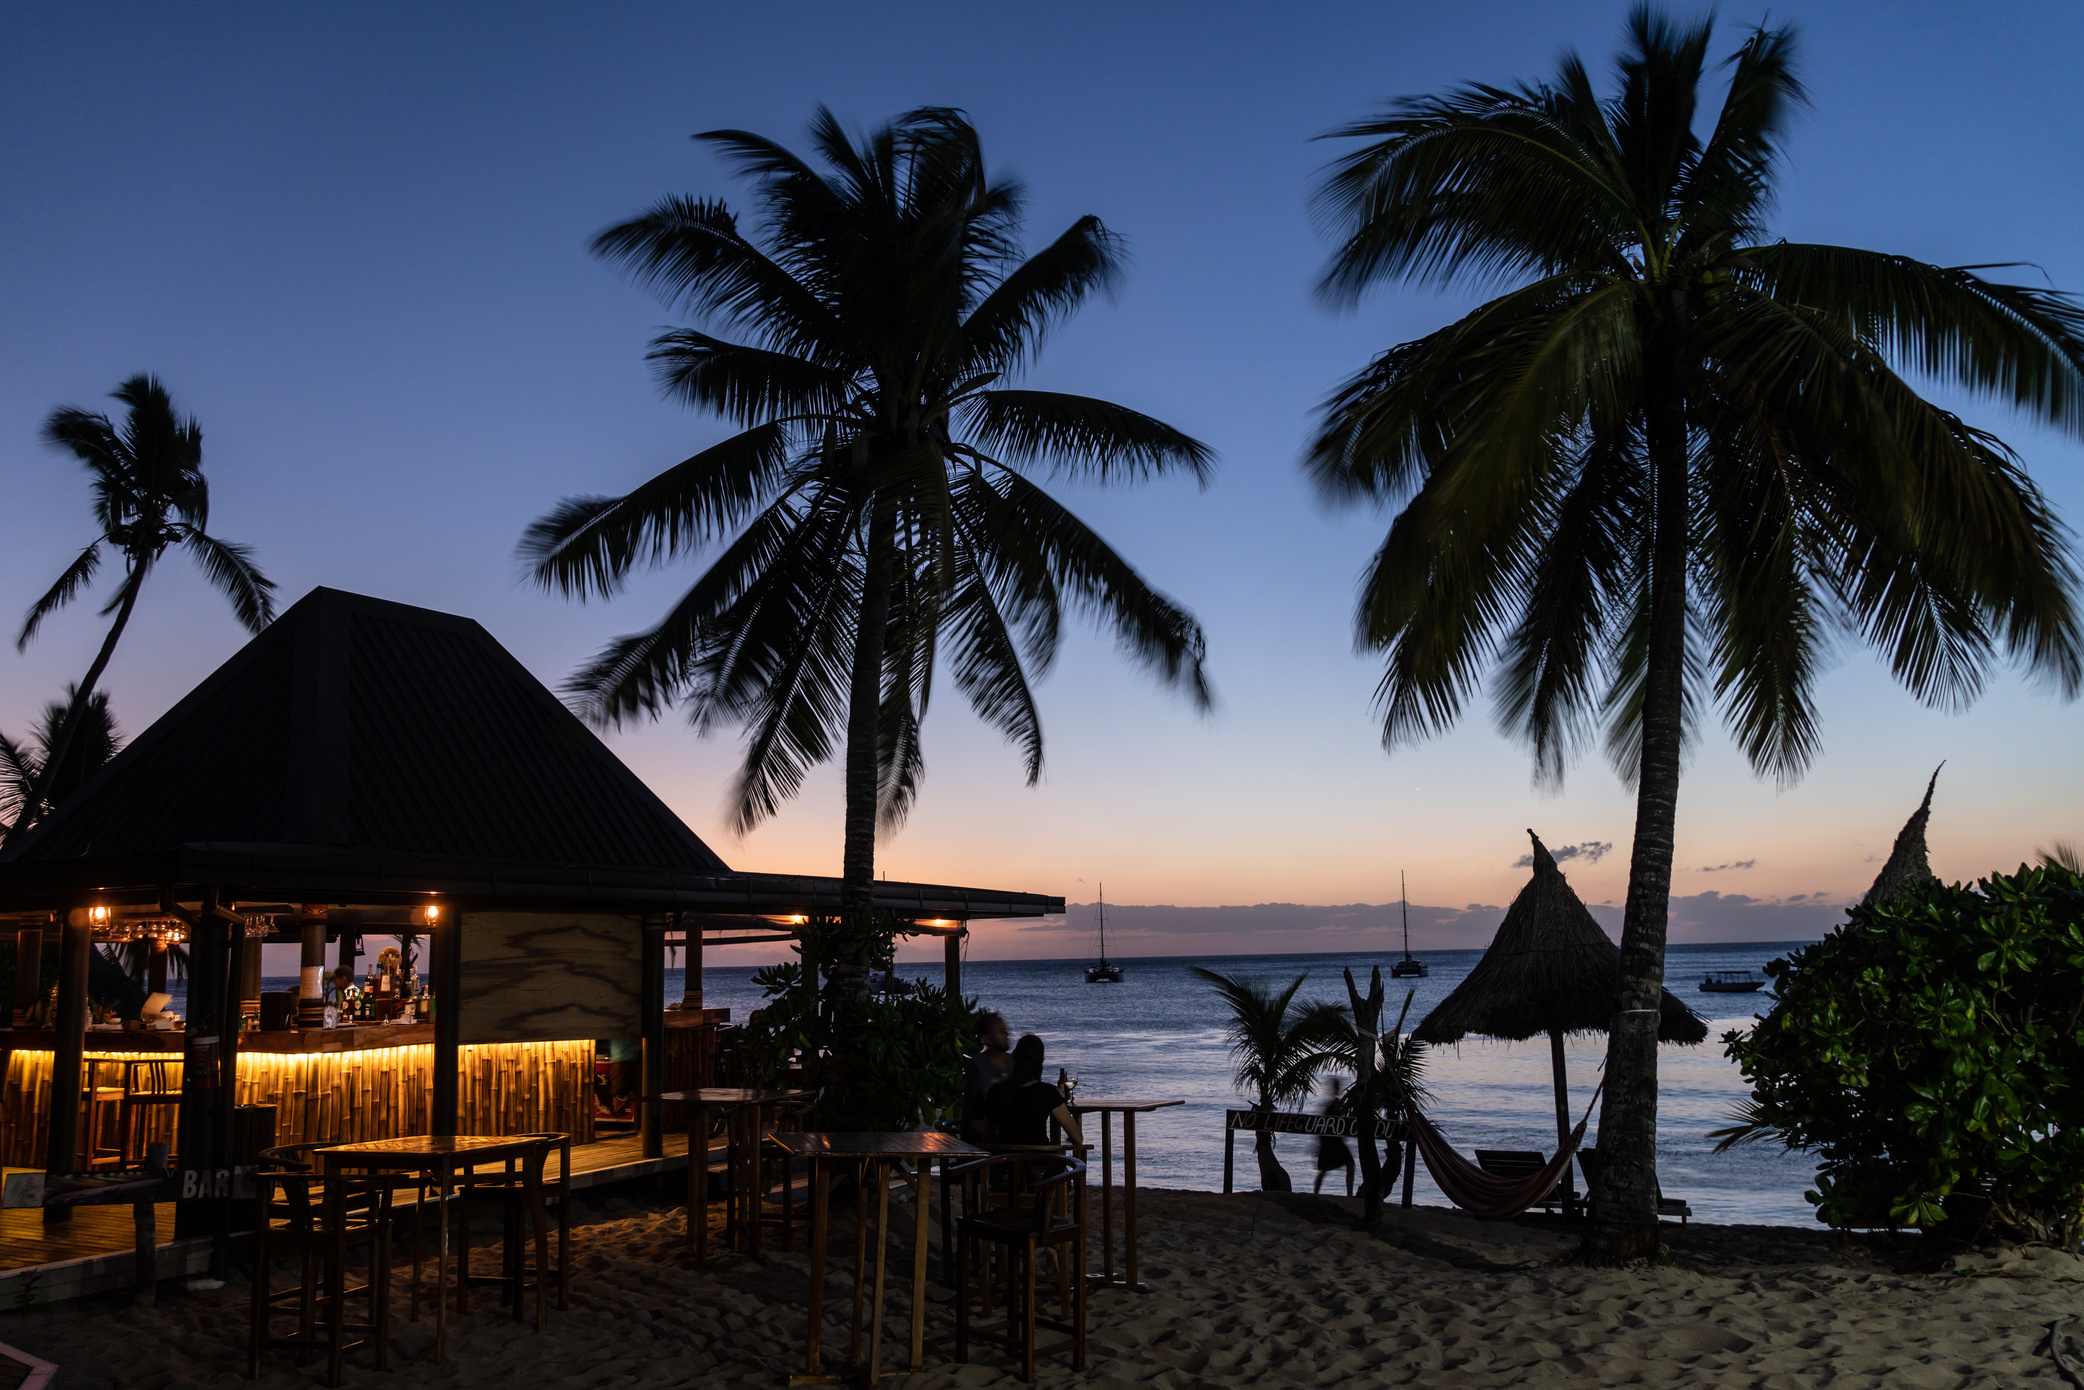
(1018, 1110)
(984, 1069)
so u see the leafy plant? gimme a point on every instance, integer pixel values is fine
(1280, 1047)
(876, 1063)
(1929, 1052)
(1395, 1083)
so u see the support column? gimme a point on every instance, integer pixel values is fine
(250, 979)
(155, 969)
(652, 1006)
(28, 972)
(202, 1058)
(951, 962)
(691, 985)
(446, 976)
(68, 1064)
(1567, 1187)
(311, 975)
(238, 950)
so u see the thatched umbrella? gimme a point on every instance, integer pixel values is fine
(1550, 969)
(1907, 860)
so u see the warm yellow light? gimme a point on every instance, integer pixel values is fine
(798, 921)
(100, 914)
(433, 914)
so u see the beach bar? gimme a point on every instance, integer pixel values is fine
(366, 768)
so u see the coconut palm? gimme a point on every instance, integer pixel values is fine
(1395, 1082)
(149, 495)
(22, 763)
(879, 513)
(1279, 1047)
(1674, 459)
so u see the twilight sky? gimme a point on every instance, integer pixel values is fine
(351, 239)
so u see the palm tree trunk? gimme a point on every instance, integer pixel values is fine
(1624, 1224)
(62, 745)
(1272, 1176)
(864, 707)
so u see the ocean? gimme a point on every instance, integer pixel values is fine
(1160, 1033)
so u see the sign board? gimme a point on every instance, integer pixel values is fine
(1281, 1122)
(199, 1061)
(240, 1183)
(22, 1188)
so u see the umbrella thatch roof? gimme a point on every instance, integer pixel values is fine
(1550, 968)
(1907, 861)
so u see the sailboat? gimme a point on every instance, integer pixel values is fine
(1410, 967)
(1102, 971)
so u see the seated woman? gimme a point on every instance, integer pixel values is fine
(1018, 1110)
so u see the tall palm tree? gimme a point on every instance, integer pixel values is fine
(1279, 1047)
(1675, 459)
(881, 498)
(22, 763)
(149, 495)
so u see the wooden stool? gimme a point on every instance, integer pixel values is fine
(518, 1189)
(1039, 1212)
(320, 1217)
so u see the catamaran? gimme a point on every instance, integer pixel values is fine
(1410, 967)
(1102, 971)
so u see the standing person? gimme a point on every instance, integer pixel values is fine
(984, 1069)
(1332, 1151)
(1018, 1110)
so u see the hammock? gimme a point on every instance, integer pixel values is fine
(1478, 1192)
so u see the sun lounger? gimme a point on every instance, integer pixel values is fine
(1515, 1164)
(1588, 1159)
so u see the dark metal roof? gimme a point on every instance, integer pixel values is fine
(367, 751)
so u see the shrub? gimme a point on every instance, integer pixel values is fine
(1929, 1053)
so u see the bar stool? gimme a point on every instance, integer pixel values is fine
(519, 1189)
(1037, 1212)
(320, 1217)
(100, 1106)
(157, 1090)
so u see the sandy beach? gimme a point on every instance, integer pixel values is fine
(1245, 1291)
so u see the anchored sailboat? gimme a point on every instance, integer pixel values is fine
(1410, 967)
(1102, 971)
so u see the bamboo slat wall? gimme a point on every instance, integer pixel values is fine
(340, 1097)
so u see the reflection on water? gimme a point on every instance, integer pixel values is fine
(1159, 1033)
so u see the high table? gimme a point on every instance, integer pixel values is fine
(442, 1157)
(875, 1153)
(742, 1140)
(1128, 1110)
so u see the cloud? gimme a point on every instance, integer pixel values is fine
(1718, 868)
(1591, 851)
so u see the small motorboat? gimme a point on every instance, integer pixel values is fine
(1732, 982)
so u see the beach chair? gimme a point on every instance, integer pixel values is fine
(1588, 1159)
(1515, 1164)
(1043, 1207)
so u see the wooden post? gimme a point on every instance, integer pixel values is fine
(68, 1054)
(1229, 1166)
(951, 962)
(691, 983)
(28, 972)
(1367, 1022)
(200, 1069)
(652, 1009)
(1562, 1116)
(250, 980)
(144, 1282)
(311, 975)
(230, 1014)
(155, 969)
(1410, 1166)
(447, 943)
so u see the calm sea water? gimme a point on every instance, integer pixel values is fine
(1160, 1033)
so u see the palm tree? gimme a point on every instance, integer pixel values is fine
(94, 742)
(880, 501)
(1392, 1083)
(1674, 459)
(1279, 1047)
(149, 494)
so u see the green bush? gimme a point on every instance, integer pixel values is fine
(1929, 1053)
(879, 1064)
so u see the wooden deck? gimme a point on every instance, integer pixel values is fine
(92, 1253)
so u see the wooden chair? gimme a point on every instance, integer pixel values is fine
(146, 1085)
(321, 1217)
(518, 1189)
(1021, 1203)
(100, 1105)
(1519, 1163)
(1588, 1159)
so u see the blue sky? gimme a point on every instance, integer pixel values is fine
(352, 241)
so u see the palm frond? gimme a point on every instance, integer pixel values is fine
(230, 569)
(77, 576)
(1082, 437)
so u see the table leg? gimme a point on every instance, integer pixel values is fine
(441, 1267)
(1129, 1199)
(1107, 1193)
(820, 1216)
(875, 1314)
(754, 1195)
(698, 1180)
(860, 1257)
(922, 1189)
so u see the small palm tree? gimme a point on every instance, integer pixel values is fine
(1675, 460)
(1279, 1047)
(1397, 1082)
(22, 764)
(149, 495)
(878, 516)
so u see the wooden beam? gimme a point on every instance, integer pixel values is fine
(311, 974)
(68, 1063)
(652, 1019)
(691, 986)
(447, 977)
(951, 965)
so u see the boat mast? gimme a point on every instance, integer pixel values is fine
(1100, 920)
(1404, 902)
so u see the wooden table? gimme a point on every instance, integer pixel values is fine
(875, 1153)
(745, 1112)
(1129, 1110)
(441, 1156)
